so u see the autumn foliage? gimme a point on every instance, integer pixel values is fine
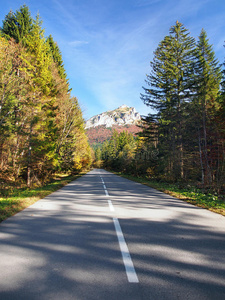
(99, 134)
(41, 124)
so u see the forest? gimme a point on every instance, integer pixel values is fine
(42, 127)
(41, 123)
(183, 140)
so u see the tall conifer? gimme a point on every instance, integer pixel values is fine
(171, 86)
(205, 103)
(57, 56)
(18, 25)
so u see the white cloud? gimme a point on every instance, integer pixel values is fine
(115, 59)
(77, 43)
(146, 2)
(107, 45)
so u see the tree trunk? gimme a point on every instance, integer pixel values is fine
(200, 156)
(209, 174)
(29, 160)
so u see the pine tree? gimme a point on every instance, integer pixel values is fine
(41, 131)
(18, 25)
(57, 56)
(205, 104)
(171, 87)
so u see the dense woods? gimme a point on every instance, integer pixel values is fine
(41, 123)
(183, 140)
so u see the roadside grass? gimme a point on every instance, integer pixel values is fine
(18, 199)
(190, 194)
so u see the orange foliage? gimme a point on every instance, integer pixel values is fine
(101, 133)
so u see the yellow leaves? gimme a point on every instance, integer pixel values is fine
(82, 153)
(43, 125)
(78, 163)
(3, 45)
(37, 61)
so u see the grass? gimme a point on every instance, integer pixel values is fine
(18, 199)
(190, 194)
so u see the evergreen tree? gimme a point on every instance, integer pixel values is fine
(205, 104)
(18, 25)
(171, 87)
(119, 151)
(57, 56)
(40, 105)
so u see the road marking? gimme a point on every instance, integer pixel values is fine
(129, 267)
(111, 207)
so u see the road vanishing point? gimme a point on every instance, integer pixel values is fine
(105, 237)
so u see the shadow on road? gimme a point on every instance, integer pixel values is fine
(65, 247)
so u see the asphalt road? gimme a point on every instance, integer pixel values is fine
(105, 237)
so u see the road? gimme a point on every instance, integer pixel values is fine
(105, 237)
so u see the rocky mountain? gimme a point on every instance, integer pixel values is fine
(100, 127)
(121, 116)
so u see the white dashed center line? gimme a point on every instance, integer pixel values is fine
(107, 194)
(129, 266)
(111, 207)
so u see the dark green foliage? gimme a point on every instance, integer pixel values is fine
(118, 152)
(183, 89)
(205, 105)
(57, 56)
(18, 25)
(171, 87)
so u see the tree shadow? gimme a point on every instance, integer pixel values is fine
(65, 246)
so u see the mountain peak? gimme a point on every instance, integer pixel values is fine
(123, 106)
(123, 115)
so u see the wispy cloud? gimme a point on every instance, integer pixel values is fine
(146, 2)
(107, 46)
(77, 43)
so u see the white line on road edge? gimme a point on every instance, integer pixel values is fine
(106, 192)
(130, 270)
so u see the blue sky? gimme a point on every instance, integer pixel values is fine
(107, 44)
